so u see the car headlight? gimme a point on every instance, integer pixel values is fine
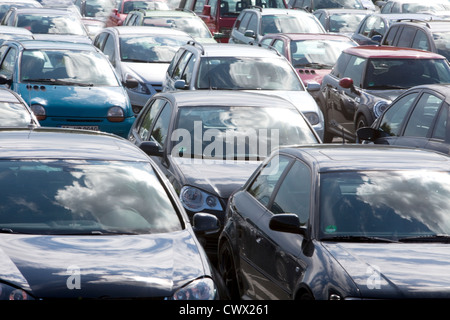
(379, 107)
(139, 88)
(196, 200)
(115, 114)
(200, 289)
(39, 111)
(312, 117)
(10, 293)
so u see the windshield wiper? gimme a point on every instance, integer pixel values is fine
(357, 239)
(427, 238)
(385, 86)
(60, 82)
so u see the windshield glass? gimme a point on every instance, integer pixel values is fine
(234, 7)
(247, 73)
(345, 22)
(290, 24)
(55, 24)
(225, 133)
(321, 54)
(67, 67)
(13, 115)
(193, 26)
(144, 5)
(150, 48)
(393, 205)
(83, 197)
(442, 41)
(350, 4)
(405, 73)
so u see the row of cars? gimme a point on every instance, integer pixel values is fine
(299, 223)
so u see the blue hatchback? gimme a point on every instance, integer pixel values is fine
(67, 84)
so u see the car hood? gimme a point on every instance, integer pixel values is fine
(149, 72)
(391, 270)
(312, 75)
(63, 37)
(301, 99)
(217, 177)
(74, 101)
(109, 266)
(390, 95)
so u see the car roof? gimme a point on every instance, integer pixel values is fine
(234, 50)
(225, 98)
(7, 95)
(169, 13)
(275, 11)
(310, 36)
(352, 157)
(433, 25)
(343, 10)
(30, 44)
(57, 143)
(374, 51)
(401, 16)
(123, 30)
(44, 9)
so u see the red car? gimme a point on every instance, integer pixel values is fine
(119, 14)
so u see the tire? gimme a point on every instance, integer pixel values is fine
(361, 122)
(228, 271)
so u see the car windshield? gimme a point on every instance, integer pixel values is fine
(442, 41)
(98, 8)
(391, 205)
(350, 4)
(5, 6)
(14, 115)
(247, 73)
(51, 24)
(193, 26)
(405, 73)
(290, 24)
(150, 48)
(67, 67)
(345, 22)
(321, 54)
(83, 197)
(144, 5)
(424, 7)
(234, 7)
(237, 133)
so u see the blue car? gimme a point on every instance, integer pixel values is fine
(66, 84)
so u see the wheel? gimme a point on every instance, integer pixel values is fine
(228, 271)
(361, 122)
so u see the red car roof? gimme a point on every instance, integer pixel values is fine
(391, 52)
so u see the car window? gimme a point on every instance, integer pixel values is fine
(390, 35)
(244, 22)
(147, 120)
(264, 184)
(341, 65)
(355, 69)
(181, 65)
(109, 49)
(421, 119)
(395, 115)
(405, 39)
(440, 129)
(100, 40)
(368, 26)
(421, 41)
(294, 193)
(387, 7)
(279, 46)
(161, 127)
(188, 70)
(266, 42)
(174, 62)
(253, 23)
(7, 67)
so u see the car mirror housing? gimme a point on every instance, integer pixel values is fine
(347, 83)
(4, 79)
(205, 223)
(180, 84)
(370, 134)
(287, 222)
(151, 148)
(131, 83)
(313, 86)
(250, 34)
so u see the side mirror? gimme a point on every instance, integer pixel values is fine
(4, 79)
(131, 83)
(151, 148)
(250, 34)
(370, 134)
(377, 38)
(347, 83)
(287, 222)
(205, 223)
(312, 86)
(180, 84)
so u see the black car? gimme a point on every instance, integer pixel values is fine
(340, 222)
(417, 118)
(208, 143)
(366, 79)
(87, 215)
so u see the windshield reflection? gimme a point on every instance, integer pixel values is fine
(83, 197)
(391, 205)
(13, 115)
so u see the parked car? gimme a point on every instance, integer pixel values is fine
(94, 14)
(88, 215)
(432, 35)
(366, 79)
(252, 24)
(220, 15)
(67, 84)
(182, 20)
(312, 55)
(14, 111)
(140, 56)
(413, 6)
(340, 222)
(6, 4)
(226, 66)
(207, 143)
(312, 5)
(342, 21)
(417, 118)
(120, 13)
(374, 26)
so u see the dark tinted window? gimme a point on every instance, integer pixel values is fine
(421, 119)
(406, 37)
(395, 115)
